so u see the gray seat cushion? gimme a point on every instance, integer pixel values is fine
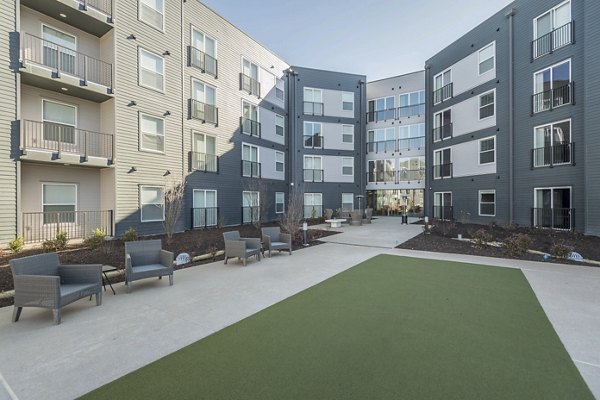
(148, 268)
(278, 244)
(71, 292)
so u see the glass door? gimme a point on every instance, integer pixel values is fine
(59, 50)
(59, 121)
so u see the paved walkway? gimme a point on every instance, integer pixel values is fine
(95, 345)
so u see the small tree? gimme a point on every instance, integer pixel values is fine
(292, 217)
(174, 199)
(259, 214)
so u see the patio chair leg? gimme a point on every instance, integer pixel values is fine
(17, 313)
(56, 313)
(290, 251)
(225, 259)
(171, 280)
(99, 298)
(128, 286)
(244, 261)
(160, 277)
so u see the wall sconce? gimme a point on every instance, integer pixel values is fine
(132, 103)
(167, 53)
(167, 173)
(132, 170)
(131, 37)
(167, 113)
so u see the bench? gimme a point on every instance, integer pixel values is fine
(335, 223)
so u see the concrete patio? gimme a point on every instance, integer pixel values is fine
(95, 345)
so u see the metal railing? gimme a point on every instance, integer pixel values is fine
(314, 142)
(553, 218)
(63, 60)
(443, 212)
(204, 112)
(442, 171)
(250, 215)
(412, 110)
(60, 138)
(204, 62)
(556, 39)
(553, 98)
(383, 146)
(408, 175)
(550, 156)
(104, 6)
(249, 84)
(381, 177)
(250, 169)
(250, 126)
(411, 143)
(42, 226)
(204, 162)
(442, 132)
(314, 175)
(381, 115)
(312, 108)
(444, 93)
(205, 217)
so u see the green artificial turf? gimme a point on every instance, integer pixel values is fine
(389, 328)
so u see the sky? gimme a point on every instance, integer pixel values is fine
(377, 38)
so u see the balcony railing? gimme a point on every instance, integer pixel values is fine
(250, 169)
(205, 217)
(104, 6)
(205, 162)
(415, 143)
(442, 132)
(442, 171)
(60, 138)
(409, 175)
(250, 215)
(203, 61)
(384, 146)
(313, 142)
(381, 177)
(381, 115)
(207, 113)
(554, 98)
(249, 84)
(549, 156)
(250, 126)
(312, 108)
(556, 39)
(554, 218)
(444, 93)
(313, 175)
(63, 60)
(412, 110)
(42, 226)
(443, 212)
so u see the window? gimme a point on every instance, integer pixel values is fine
(313, 169)
(347, 166)
(313, 101)
(59, 202)
(381, 109)
(204, 52)
(152, 203)
(442, 89)
(250, 82)
(152, 12)
(347, 101)
(553, 208)
(487, 107)
(411, 137)
(552, 30)
(487, 58)
(205, 208)
(442, 125)
(59, 122)
(279, 125)
(313, 135)
(442, 164)
(552, 144)
(279, 161)
(250, 119)
(412, 104)
(381, 171)
(487, 203)
(411, 169)
(347, 201)
(250, 207)
(382, 140)
(279, 202)
(152, 133)
(442, 205)
(250, 165)
(313, 205)
(204, 101)
(58, 44)
(552, 87)
(487, 151)
(347, 133)
(279, 89)
(204, 153)
(151, 70)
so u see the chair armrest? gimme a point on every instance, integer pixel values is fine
(42, 290)
(84, 273)
(128, 265)
(286, 238)
(166, 258)
(235, 248)
(252, 243)
(266, 239)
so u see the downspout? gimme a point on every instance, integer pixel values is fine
(361, 140)
(511, 118)
(428, 206)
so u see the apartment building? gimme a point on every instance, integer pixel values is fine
(510, 138)
(395, 149)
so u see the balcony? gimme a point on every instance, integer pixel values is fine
(443, 212)
(313, 142)
(416, 143)
(250, 215)
(408, 175)
(443, 132)
(381, 115)
(204, 162)
(442, 94)
(548, 43)
(411, 111)
(41, 226)
(442, 171)
(91, 16)
(383, 146)
(250, 169)
(50, 66)
(549, 156)
(553, 218)
(554, 98)
(50, 142)
(312, 108)
(381, 177)
(205, 217)
(207, 113)
(203, 61)
(314, 175)
(250, 127)
(250, 85)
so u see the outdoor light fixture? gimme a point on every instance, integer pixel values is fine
(167, 53)
(64, 89)
(132, 103)
(167, 113)
(131, 37)
(63, 15)
(167, 173)
(132, 170)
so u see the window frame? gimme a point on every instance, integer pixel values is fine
(140, 68)
(282, 203)
(347, 134)
(344, 101)
(345, 159)
(141, 204)
(141, 133)
(313, 195)
(203, 49)
(444, 162)
(480, 107)
(480, 61)
(444, 84)
(161, 29)
(480, 203)
(281, 117)
(280, 89)
(551, 10)
(351, 196)
(193, 92)
(479, 151)
(282, 162)
(551, 69)
(320, 135)
(44, 184)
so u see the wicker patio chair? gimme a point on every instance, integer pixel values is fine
(147, 259)
(236, 246)
(368, 216)
(273, 239)
(41, 281)
(356, 217)
(328, 213)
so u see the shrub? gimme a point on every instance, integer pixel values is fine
(96, 239)
(560, 250)
(16, 245)
(57, 244)
(443, 227)
(212, 250)
(517, 245)
(129, 235)
(482, 238)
